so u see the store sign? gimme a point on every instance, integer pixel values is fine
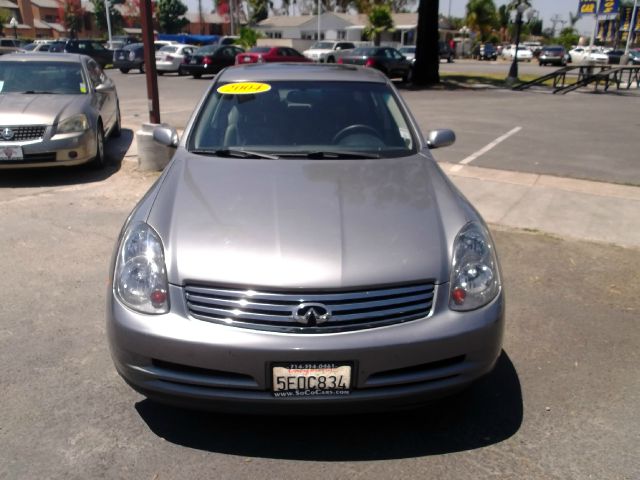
(587, 7)
(609, 7)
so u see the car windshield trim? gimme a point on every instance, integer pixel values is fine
(234, 152)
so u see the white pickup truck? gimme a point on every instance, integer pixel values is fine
(326, 51)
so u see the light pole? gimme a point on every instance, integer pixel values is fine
(14, 24)
(106, 11)
(513, 71)
(464, 31)
(319, 5)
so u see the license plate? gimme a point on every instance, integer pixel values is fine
(311, 379)
(194, 61)
(121, 57)
(246, 59)
(11, 153)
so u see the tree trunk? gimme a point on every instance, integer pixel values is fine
(426, 68)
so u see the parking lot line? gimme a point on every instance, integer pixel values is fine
(485, 149)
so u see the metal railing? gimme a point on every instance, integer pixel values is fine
(584, 75)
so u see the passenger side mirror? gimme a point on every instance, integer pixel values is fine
(104, 87)
(440, 138)
(166, 135)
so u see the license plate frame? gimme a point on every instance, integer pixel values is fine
(311, 379)
(10, 153)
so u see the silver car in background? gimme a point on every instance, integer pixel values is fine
(303, 252)
(55, 110)
(170, 57)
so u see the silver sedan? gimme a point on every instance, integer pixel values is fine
(170, 57)
(303, 252)
(55, 110)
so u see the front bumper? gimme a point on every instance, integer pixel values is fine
(127, 64)
(180, 360)
(59, 150)
(167, 66)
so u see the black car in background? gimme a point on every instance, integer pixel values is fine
(445, 52)
(92, 48)
(485, 51)
(388, 60)
(553, 55)
(210, 59)
(615, 56)
(129, 57)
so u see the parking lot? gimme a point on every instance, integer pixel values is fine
(562, 402)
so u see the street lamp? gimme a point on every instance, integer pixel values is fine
(14, 24)
(464, 31)
(513, 71)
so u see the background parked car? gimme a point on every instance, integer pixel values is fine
(485, 51)
(38, 47)
(584, 55)
(524, 54)
(129, 57)
(445, 52)
(409, 52)
(388, 60)
(553, 55)
(270, 54)
(170, 57)
(92, 48)
(615, 56)
(634, 57)
(57, 110)
(210, 59)
(324, 51)
(9, 45)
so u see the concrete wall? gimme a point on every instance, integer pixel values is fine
(296, 43)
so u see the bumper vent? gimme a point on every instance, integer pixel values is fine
(310, 311)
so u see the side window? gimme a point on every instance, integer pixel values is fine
(387, 53)
(95, 73)
(396, 54)
(282, 52)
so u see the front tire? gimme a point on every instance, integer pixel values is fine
(408, 76)
(197, 75)
(160, 72)
(141, 68)
(116, 131)
(98, 162)
(180, 72)
(124, 70)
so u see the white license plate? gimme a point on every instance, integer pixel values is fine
(11, 153)
(246, 59)
(311, 379)
(194, 61)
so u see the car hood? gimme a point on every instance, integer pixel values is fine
(306, 223)
(38, 109)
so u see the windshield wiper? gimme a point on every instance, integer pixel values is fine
(39, 92)
(230, 152)
(337, 154)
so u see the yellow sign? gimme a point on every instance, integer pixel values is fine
(244, 88)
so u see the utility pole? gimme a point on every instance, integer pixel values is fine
(555, 20)
(107, 13)
(150, 61)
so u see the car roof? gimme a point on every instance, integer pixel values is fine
(317, 72)
(50, 57)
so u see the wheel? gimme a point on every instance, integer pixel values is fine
(408, 76)
(98, 162)
(180, 72)
(540, 64)
(116, 131)
(141, 68)
(449, 59)
(351, 129)
(160, 72)
(197, 75)
(331, 60)
(124, 70)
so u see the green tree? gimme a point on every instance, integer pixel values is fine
(101, 18)
(248, 38)
(5, 17)
(426, 70)
(258, 10)
(482, 17)
(71, 13)
(568, 37)
(380, 20)
(170, 15)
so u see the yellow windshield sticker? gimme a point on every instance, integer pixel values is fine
(244, 88)
(83, 88)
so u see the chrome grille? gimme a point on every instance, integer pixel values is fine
(21, 134)
(273, 310)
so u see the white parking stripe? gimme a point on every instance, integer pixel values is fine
(485, 149)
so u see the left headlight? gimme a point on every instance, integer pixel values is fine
(75, 123)
(140, 277)
(475, 274)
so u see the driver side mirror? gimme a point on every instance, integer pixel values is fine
(166, 135)
(440, 138)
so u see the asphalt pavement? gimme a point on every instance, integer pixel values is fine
(561, 404)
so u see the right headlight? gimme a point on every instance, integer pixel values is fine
(140, 277)
(475, 275)
(74, 123)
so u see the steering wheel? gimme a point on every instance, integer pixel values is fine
(353, 129)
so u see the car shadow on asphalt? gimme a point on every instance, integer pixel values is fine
(115, 149)
(489, 412)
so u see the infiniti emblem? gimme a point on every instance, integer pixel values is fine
(7, 133)
(311, 314)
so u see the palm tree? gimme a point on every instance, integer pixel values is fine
(482, 17)
(380, 20)
(426, 67)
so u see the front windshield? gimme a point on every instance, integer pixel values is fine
(322, 46)
(42, 77)
(206, 50)
(298, 117)
(408, 50)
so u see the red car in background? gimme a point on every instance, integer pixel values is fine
(270, 54)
